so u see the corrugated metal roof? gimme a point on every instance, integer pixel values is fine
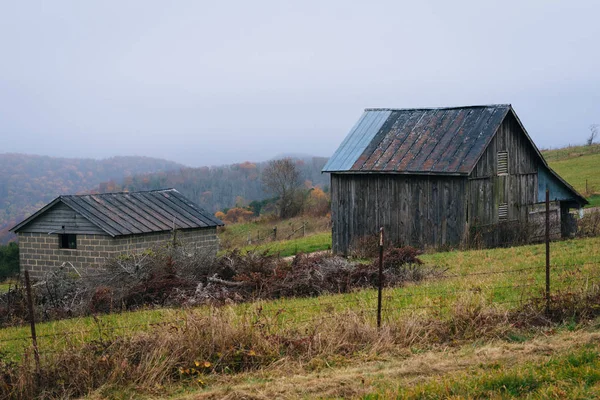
(130, 213)
(426, 140)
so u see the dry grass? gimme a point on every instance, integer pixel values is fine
(382, 378)
(192, 351)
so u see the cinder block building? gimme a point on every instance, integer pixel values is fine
(84, 231)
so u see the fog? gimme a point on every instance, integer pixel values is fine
(208, 83)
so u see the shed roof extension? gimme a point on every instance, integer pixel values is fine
(130, 213)
(422, 141)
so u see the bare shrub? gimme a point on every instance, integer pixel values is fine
(163, 275)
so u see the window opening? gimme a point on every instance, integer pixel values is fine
(67, 241)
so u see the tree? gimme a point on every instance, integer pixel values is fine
(282, 178)
(9, 261)
(593, 134)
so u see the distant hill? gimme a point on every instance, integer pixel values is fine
(27, 182)
(216, 188)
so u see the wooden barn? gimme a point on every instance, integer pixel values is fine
(84, 231)
(438, 177)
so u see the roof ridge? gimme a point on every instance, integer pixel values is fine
(441, 108)
(121, 192)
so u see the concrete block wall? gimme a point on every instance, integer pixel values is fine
(39, 253)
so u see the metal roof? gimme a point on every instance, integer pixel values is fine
(422, 141)
(131, 213)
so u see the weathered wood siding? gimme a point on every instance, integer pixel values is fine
(418, 210)
(518, 189)
(62, 215)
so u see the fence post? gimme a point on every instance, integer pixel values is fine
(304, 229)
(379, 291)
(257, 235)
(275, 233)
(36, 353)
(547, 252)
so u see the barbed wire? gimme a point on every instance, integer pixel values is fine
(285, 313)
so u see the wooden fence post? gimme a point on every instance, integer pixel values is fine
(36, 353)
(275, 233)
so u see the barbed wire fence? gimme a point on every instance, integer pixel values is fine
(528, 286)
(501, 287)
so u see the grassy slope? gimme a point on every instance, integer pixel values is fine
(576, 165)
(285, 248)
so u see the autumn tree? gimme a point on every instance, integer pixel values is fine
(282, 178)
(317, 203)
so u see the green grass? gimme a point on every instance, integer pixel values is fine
(594, 200)
(261, 230)
(578, 170)
(285, 248)
(4, 286)
(573, 375)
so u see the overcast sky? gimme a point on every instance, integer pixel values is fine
(208, 83)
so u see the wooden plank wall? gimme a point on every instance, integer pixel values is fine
(53, 219)
(519, 189)
(422, 211)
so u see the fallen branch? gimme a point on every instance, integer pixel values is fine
(227, 283)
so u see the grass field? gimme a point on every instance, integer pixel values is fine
(578, 165)
(285, 248)
(260, 232)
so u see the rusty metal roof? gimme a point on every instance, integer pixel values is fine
(421, 141)
(132, 213)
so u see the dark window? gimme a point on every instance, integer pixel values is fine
(502, 163)
(67, 241)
